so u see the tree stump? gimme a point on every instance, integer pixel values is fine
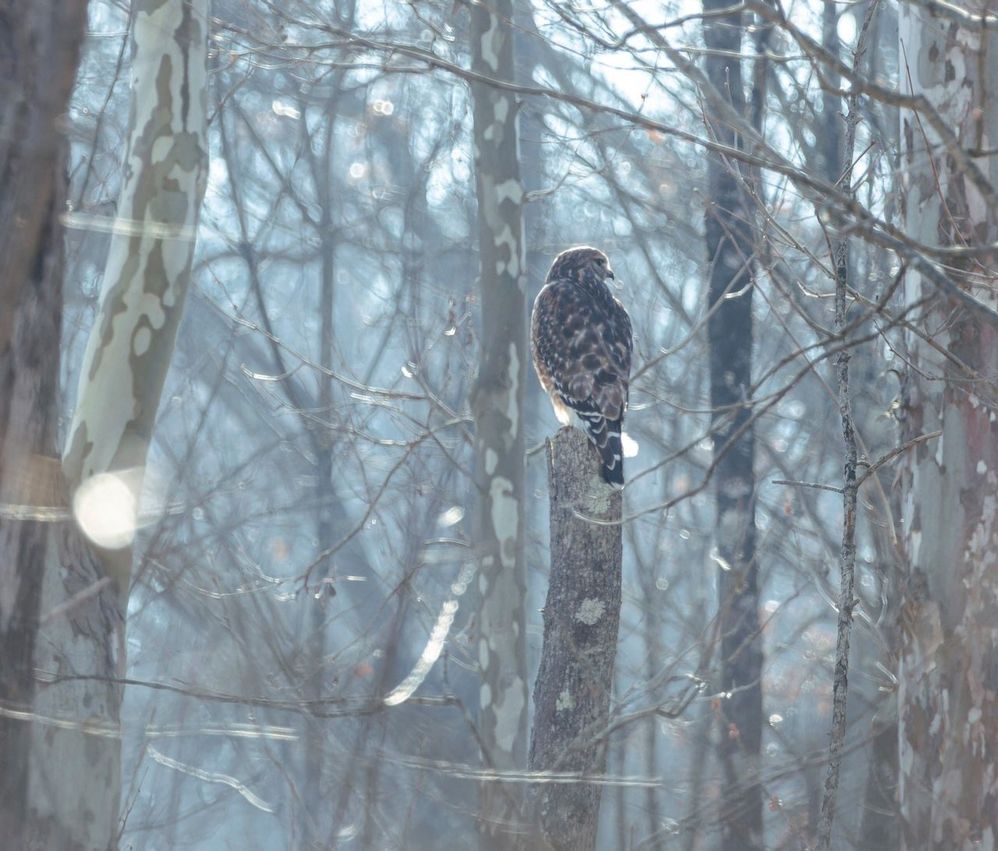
(581, 617)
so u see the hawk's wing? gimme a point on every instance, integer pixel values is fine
(582, 349)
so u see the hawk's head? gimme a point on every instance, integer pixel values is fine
(580, 263)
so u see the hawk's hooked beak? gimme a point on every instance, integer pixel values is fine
(609, 274)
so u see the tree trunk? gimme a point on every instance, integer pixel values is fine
(314, 794)
(948, 698)
(30, 489)
(497, 404)
(39, 51)
(581, 618)
(729, 328)
(146, 275)
(75, 770)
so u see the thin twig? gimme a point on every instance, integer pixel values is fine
(850, 487)
(870, 468)
(814, 485)
(890, 456)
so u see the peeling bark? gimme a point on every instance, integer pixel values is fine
(497, 405)
(581, 619)
(948, 699)
(75, 779)
(730, 253)
(149, 259)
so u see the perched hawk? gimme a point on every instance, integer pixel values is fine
(581, 340)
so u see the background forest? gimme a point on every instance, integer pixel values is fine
(265, 276)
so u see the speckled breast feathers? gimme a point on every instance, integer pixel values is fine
(581, 341)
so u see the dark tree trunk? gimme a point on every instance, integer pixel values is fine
(581, 617)
(30, 480)
(730, 257)
(49, 800)
(39, 51)
(61, 797)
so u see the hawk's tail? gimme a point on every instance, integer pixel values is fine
(605, 434)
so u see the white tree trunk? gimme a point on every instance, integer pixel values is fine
(75, 780)
(497, 403)
(146, 275)
(948, 701)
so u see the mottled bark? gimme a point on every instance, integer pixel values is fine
(39, 50)
(75, 770)
(497, 405)
(147, 270)
(729, 329)
(948, 699)
(581, 618)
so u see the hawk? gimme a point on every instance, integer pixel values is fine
(580, 336)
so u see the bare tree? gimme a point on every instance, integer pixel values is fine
(731, 261)
(147, 272)
(76, 769)
(497, 403)
(38, 61)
